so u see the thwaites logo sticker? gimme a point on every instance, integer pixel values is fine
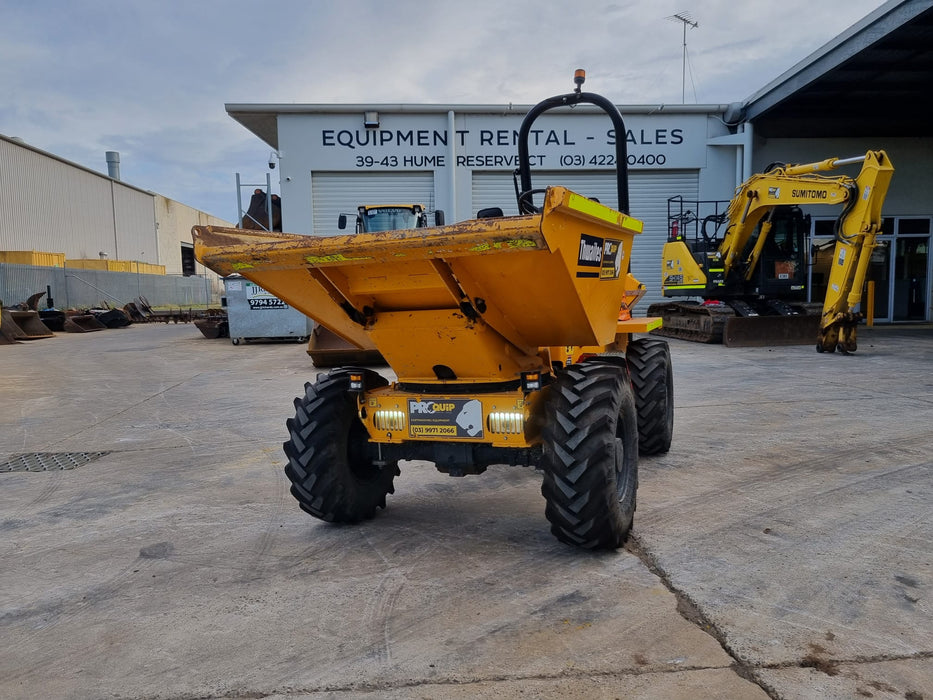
(603, 254)
(461, 418)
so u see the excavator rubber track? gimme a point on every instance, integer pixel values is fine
(695, 322)
(704, 323)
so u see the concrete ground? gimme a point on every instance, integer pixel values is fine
(782, 548)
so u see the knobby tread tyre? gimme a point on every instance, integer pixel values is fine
(332, 475)
(590, 456)
(649, 362)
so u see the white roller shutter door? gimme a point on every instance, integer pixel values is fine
(649, 192)
(333, 194)
(648, 195)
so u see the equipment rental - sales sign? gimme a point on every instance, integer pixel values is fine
(490, 142)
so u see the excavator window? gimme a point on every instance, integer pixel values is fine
(787, 236)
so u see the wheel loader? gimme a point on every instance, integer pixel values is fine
(511, 339)
(747, 260)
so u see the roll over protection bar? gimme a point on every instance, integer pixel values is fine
(570, 100)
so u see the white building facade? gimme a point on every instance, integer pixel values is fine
(461, 159)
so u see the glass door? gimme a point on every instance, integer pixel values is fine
(900, 268)
(910, 279)
(879, 272)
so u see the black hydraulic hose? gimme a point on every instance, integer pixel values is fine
(849, 205)
(569, 100)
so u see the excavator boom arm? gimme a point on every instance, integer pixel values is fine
(757, 197)
(855, 240)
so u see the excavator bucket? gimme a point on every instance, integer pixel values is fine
(481, 296)
(764, 331)
(83, 323)
(23, 325)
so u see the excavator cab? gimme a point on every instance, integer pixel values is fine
(773, 264)
(782, 269)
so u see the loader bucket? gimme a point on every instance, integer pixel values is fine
(469, 302)
(83, 323)
(24, 325)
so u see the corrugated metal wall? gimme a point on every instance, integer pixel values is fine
(52, 205)
(74, 288)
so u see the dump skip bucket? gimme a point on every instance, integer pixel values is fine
(24, 325)
(473, 301)
(83, 323)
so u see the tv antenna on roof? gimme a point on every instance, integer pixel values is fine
(686, 20)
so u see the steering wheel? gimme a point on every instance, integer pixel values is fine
(526, 203)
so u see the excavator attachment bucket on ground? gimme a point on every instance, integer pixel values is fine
(83, 323)
(472, 302)
(23, 325)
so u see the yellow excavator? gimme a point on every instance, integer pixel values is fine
(752, 277)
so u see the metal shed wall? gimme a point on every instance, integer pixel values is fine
(52, 205)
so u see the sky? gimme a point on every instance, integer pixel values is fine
(150, 79)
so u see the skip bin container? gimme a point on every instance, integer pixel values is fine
(255, 314)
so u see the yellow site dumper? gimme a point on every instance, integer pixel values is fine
(511, 339)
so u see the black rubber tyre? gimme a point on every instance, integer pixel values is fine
(590, 455)
(649, 363)
(332, 474)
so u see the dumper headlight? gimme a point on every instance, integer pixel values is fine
(506, 422)
(389, 419)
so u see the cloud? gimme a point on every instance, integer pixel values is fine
(150, 79)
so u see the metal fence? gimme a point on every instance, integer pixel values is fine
(77, 288)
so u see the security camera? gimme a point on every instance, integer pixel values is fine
(271, 165)
(272, 156)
